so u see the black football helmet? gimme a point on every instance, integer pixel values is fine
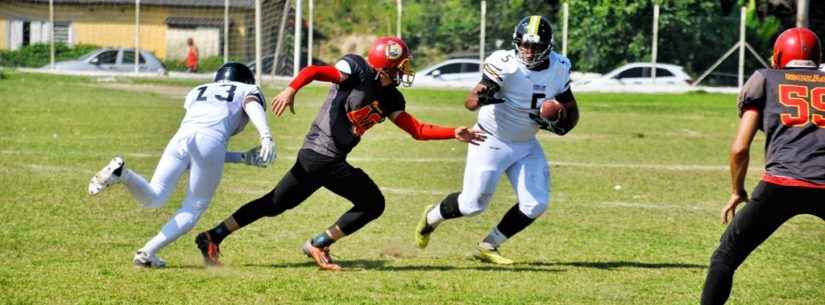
(533, 32)
(237, 72)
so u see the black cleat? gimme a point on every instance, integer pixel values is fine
(210, 250)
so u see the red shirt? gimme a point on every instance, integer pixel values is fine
(192, 57)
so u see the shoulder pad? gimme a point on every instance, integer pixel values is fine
(359, 68)
(498, 65)
(561, 59)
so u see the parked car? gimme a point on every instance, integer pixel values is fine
(113, 60)
(462, 72)
(640, 74)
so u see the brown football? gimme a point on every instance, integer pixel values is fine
(551, 110)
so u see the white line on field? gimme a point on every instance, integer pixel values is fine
(656, 206)
(669, 167)
(51, 168)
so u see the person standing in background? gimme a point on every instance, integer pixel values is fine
(192, 56)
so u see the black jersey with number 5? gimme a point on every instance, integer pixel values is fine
(792, 103)
(351, 108)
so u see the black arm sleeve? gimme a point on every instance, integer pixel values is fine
(486, 97)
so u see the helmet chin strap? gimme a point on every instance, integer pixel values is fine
(537, 60)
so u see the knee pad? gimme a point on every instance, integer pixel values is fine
(533, 209)
(475, 206)
(273, 203)
(376, 206)
(199, 205)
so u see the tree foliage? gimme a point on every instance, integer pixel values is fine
(603, 34)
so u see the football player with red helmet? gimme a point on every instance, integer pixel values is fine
(787, 103)
(363, 95)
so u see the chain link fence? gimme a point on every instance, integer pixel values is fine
(261, 33)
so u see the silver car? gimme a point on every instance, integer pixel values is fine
(112, 60)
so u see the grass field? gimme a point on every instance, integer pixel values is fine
(636, 193)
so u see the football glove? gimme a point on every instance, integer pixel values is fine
(260, 156)
(489, 100)
(551, 126)
(251, 156)
(486, 97)
(267, 153)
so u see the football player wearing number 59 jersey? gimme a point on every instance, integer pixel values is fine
(514, 86)
(364, 94)
(788, 104)
(214, 113)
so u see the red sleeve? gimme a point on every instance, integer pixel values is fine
(311, 73)
(422, 131)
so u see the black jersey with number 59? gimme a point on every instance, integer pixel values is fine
(792, 103)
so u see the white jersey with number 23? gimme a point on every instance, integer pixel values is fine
(218, 108)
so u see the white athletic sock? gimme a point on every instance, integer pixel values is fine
(434, 216)
(183, 221)
(494, 239)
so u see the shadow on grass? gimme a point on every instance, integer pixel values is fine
(620, 264)
(537, 266)
(382, 265)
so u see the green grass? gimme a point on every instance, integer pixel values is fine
(646, 243)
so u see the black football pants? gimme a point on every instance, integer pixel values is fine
(770, 206)
(311, 172)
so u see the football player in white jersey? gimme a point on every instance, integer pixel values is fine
(214, 113)
(514, 85)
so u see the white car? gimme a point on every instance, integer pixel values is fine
(459, 72)
(639, 74)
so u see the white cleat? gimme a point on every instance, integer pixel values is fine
(145, 261)
(107, 176)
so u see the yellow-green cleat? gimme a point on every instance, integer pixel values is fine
(491, 256)
(423, 230)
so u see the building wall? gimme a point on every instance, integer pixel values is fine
(4, 33)
(109, 25)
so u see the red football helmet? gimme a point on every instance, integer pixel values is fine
(391, 55)
(797, 48)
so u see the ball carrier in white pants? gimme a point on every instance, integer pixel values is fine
(509, 97)
(214, 113)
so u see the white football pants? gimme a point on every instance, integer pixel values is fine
(204, 156)
(525, 165)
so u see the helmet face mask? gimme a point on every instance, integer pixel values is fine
(533, 41)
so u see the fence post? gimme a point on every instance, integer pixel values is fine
(137, 35)
(51, 34)
(483, 32)
(296, 46)
(258, 31)
(310, 31)
(565, 7)
(225, 31)
(277, 56)
(655, 42)
(742, 46)
(802, 14)
(399, 8)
